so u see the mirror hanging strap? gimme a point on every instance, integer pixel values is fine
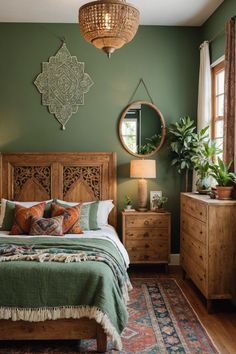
(141, 81)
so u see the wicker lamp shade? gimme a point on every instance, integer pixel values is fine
(108, 24)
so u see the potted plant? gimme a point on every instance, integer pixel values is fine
(184, 141)
(128, 202)
(225, 179)
(202, 161)
(158, 202)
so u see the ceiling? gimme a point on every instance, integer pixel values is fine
(153, 12)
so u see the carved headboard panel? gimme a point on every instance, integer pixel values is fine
(77, 177)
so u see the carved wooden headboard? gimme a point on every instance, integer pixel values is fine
(77, 177)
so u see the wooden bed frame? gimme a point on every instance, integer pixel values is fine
(72, 177)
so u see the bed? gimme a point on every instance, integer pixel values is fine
(74, 177)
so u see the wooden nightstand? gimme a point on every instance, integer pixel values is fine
(146, 236)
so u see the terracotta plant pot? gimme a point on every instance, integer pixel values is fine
(224, 193)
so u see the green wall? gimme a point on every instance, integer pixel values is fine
(215, 25)
(167, 58)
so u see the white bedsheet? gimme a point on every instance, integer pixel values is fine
(107, 232)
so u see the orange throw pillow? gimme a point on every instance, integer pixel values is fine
(22, 218)
(71, 215)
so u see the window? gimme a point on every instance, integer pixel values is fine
(130, 129)
(218, 76)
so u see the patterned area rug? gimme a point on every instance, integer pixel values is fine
(161, 321)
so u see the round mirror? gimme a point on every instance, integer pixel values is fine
(142, 129)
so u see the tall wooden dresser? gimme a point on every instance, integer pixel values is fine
(208, 245)
(146, 237)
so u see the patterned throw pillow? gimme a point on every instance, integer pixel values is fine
(50, 226)
(22, 218)
(71, 224)
(88, 215)
(8, 219)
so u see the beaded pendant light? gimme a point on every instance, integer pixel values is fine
(108, 24)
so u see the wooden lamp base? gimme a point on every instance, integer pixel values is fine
(142, 195)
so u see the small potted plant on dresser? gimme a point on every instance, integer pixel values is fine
(202, 161)
(158, 203)
(128, 203)
(225, 179)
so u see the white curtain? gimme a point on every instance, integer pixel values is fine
(204, 93)
(204, 88)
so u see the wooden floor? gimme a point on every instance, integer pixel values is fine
(221, 325)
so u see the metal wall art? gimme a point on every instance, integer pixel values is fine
(63, 84)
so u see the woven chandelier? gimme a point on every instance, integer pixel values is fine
(108, 24)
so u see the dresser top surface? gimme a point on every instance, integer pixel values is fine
(206, 199)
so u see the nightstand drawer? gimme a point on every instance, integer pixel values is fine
(153, 220)
(152, 251)
(146, 233)
(194, 207)
(193, 227)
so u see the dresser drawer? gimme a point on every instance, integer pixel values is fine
(146, 233)
(194, 248)
(194, 207)
(196, 273)
(193, 227)
(151, 251)
(154, 220)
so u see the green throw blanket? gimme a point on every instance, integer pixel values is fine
(49, 278)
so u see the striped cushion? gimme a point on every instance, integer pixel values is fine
(88, 216)
(71, 223)
(22, 218)
(50, 226)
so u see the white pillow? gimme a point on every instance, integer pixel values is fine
(104, 209)
(25, 204)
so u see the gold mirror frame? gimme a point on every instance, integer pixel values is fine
(163, 126)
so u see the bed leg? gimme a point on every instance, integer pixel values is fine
(101, 340)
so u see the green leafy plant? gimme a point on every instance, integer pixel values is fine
(222, 174)
(128, 200)
(146, 148)
(184, 143)
(203, 158)
(150, 146)
(158, 201)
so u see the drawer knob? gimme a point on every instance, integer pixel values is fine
(146, 222)
(200, 213)
(146, 234)
(146, 257)
(146, 245)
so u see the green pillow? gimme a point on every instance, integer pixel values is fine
(8, 219)
(88, 215)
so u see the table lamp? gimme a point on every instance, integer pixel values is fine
(142, 169)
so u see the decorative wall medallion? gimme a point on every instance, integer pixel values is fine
(63, 84)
